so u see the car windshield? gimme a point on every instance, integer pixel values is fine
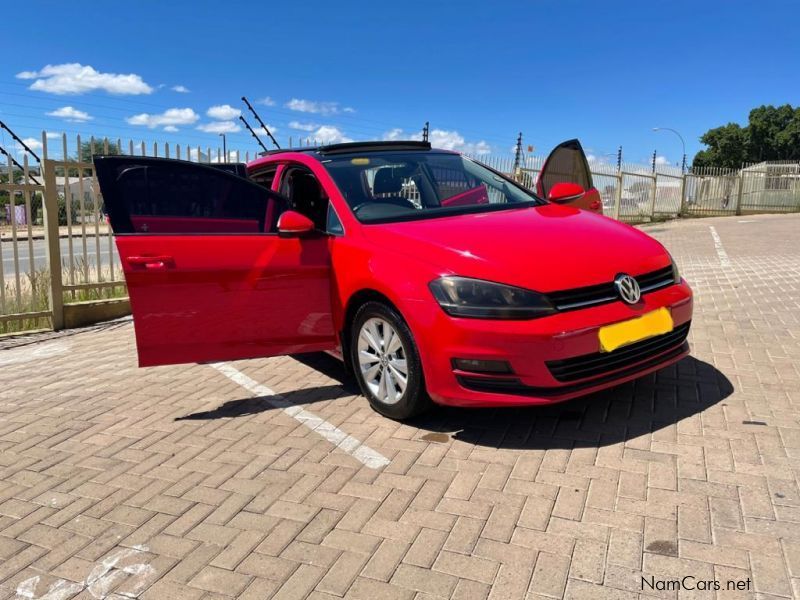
(398, 186)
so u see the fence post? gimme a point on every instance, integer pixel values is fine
(740, 193)
(618, 195)
(655, 195)
(53, 243)
(682, 209)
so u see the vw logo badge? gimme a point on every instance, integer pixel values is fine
(628, 288)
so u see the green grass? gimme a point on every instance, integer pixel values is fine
(34, 293)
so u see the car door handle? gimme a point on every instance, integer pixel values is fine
(151, 262)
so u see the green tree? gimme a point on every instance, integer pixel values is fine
(88, 150)
(99, 148)
(772, 133)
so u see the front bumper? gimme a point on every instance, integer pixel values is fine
(542, 352)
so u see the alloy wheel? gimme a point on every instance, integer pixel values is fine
(382, 360)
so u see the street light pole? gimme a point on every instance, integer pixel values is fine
(683, 144)
(224, 147)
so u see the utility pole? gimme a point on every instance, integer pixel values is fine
(654, 161)
(224, 146)
(425, 131)
(619, 158)
(518, 152)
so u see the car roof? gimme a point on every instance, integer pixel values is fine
(325, 151)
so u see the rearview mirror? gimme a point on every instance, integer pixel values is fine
(565, 192)
(293, 224)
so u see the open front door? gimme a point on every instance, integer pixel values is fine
(208, 277)
(567, 164)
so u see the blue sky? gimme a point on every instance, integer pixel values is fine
(480, 72)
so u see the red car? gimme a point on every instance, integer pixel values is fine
(431, 275)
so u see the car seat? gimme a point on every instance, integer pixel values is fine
(307, 198)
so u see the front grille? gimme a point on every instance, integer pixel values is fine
(598, 363)
(606, 292)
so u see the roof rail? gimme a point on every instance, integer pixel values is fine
(348, 147)
(374, 146)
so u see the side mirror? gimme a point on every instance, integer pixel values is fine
(565, 192)
(293, 224)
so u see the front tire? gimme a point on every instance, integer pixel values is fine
(386, 363)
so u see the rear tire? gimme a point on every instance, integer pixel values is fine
(385, 362)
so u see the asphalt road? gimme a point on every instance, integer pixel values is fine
(40, 254)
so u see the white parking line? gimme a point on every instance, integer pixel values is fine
(724, 261)
(103, 578)
(32, 352)
(337, 437)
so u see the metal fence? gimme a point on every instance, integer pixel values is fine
(638, 194)
(56, 250)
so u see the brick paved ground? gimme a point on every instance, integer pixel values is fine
(173, 482)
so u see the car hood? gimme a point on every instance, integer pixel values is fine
(543, 248)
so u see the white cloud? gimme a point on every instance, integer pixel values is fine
(223, 112)
(397, 134)
(266, 101)
(197, 155)
(51, 135)
(441, 138)
(217, 158)
(32, 143)
(262, 131)
(328, 134)
(303, 126)
(320, 108)
(219, 127)
(172, 116)
(452, 140)
(71, 114)
(181, 89)
(171, 128)
(662, 160)
(75, 78)
(594, 158)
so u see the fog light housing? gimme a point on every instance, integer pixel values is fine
(474, 365)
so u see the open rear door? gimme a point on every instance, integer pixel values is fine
(208, 277)
(567, 164)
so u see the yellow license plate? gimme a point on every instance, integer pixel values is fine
(619, 334)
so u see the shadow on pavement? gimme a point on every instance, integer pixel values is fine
(622, 413)
(627, 411)
(253, 406)
(605, 418)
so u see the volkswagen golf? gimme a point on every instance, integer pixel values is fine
(433, 277)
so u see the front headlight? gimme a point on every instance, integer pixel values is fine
(465, 297)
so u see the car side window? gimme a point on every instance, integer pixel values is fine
(265, 176)
(305, 195)
(176, 197)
